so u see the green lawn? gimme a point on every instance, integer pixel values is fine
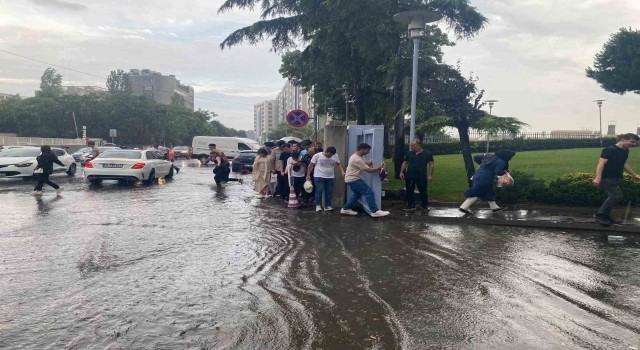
(449, 177)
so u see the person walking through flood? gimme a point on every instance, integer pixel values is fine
(611, 165)
(262, 173)
(491, 165)
(44, 169)
(354, 178)
(223, 169)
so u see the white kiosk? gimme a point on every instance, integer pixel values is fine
(374, 136)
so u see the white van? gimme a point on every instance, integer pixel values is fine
(231, 146)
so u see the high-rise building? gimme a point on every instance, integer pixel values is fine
(268, 114)
(164, 89)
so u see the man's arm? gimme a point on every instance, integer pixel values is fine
(341, 169)
(310, 170)
(430, 168)
(599, 169)
(403, 167)
(57, 161)
(633, 174)
(376, 169)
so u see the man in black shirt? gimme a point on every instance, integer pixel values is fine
(612, 163)
(417, 170)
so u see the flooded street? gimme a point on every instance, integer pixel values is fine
(181, 264)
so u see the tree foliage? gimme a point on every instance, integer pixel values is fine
(138, 119)
(284, 129)
(50, 84)
(617, 66)
(119, 82)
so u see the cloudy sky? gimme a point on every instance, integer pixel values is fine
(531, 57)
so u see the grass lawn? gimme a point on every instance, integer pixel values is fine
(449, 177)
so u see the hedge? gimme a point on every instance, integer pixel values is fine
(518, 144)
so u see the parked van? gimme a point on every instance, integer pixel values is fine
(231, 146)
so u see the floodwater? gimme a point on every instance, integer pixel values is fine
(181, 264)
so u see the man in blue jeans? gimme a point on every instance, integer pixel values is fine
(354, 179)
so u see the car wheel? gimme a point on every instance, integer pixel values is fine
(95, 181)
(72, 169)
(170, 175)
(152, 177)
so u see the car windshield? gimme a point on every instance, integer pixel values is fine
(121, 154)
(84, 150)
(20, 152)
(181, 148)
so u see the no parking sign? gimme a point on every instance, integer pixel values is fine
(297, 118)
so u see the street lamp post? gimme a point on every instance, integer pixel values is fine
(599, 102)
(416, 20)
(491, 103)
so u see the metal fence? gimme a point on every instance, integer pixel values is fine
(39, 141)
(484, 136)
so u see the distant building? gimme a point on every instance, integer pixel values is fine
(268, 114)
(163, 89)
(83, 90)
(7, 96)
(264, 119)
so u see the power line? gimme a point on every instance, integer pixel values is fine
(105, 78)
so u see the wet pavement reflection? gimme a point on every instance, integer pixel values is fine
(181, 264)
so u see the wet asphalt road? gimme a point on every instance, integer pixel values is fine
(181, 264)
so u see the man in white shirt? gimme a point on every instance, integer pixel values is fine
(354, 179)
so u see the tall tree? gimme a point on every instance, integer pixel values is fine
(617, 66)
(119, 82)
(50, 84)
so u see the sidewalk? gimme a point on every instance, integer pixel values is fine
(561, 218)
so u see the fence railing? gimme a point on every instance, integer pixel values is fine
(39, 141)
(484, 136)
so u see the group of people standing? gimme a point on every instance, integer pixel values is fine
(308, 170)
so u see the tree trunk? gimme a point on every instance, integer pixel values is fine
(465, 144)
(359, 105)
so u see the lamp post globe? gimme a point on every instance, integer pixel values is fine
(415, 20)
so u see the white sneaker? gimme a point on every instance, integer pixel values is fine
(259, 196)
(328, 209)
(37, 193)
(379, 214)
(348, 212)
(318, 208)
(59, 190)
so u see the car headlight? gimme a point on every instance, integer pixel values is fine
(24, 164)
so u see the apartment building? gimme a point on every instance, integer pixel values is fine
(268, 114)
(83, 90)
(161, 88)
(7, 96)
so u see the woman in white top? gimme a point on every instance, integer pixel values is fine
(323, 168)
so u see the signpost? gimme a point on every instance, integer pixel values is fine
(113, 133)
(297, 118)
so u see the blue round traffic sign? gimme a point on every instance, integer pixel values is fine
(297, 118)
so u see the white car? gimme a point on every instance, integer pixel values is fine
(127, 165)
(20, 162)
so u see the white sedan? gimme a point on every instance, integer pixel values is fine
(127, 165)
(21, 161)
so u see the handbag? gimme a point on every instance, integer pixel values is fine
(505, 180)
(274, 178)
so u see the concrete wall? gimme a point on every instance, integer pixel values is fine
(335, 134)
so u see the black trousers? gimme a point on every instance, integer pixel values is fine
(410, 187)
(283, 186)
(613, 188)
(221, 174)
(44, 179)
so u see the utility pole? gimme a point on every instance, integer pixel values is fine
(599, 102)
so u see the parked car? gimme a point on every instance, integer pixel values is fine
(82, 152)
(244, 161)
(127, 165)
(21, 161)
(83, 158)
(182, 152)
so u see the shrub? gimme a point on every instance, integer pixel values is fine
(526, 188)
(577, 189)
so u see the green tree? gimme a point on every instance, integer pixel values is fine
(617, 66)
(119, 82)
(284, 129)
(50, 84)
(177, 100)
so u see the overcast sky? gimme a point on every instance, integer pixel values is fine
(531, 57)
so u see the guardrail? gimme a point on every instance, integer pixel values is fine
(39, 141)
